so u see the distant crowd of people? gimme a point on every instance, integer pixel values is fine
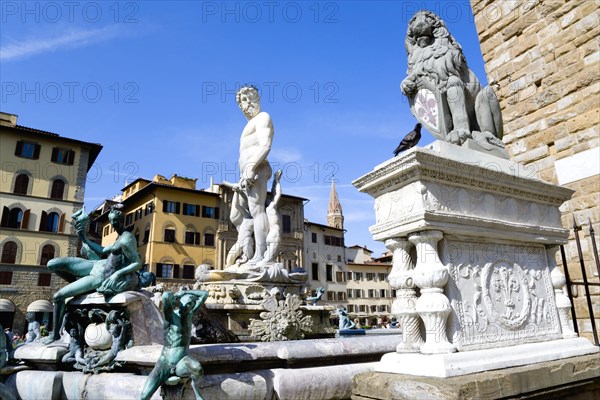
(380, 323)
(385, 323)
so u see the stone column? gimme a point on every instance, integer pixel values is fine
(430, 275)
(404, 307)
(563, 304)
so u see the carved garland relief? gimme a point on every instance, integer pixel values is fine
(436, 168)
(282, 320)
(502, 293)
(433, 196)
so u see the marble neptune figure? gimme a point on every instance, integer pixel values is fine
(254, 211)
(255, 172)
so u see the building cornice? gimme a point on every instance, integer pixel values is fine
(45, 200)
(427, 164)
(94, 148)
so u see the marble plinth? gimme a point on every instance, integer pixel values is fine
(574, 378)
(272, 272)
(235, 303)
(236, 318)
(469, 362)
(240, 292)
(463, 192)
(474, 239)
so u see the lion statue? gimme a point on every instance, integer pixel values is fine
(445, 94)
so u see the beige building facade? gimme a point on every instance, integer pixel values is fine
(349, 275)
(325, 262)
(369, 293)
(325, 254)
(179, 227)
(545, 57)
(43, 178)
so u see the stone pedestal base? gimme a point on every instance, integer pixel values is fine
(484, 231)
(246, 292)
(468, 362)
(235, 303)
(146, 318)
(576, 378)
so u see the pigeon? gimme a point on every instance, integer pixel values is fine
(410, 140)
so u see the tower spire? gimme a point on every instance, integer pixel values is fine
(335, 217)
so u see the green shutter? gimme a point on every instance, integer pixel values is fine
(19, 148)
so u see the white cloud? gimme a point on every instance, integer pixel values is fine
(69, 39)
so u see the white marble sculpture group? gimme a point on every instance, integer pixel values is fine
(254, 211)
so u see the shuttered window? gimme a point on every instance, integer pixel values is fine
(27, 150)
(63, 156)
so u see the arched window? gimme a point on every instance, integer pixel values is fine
(165, 269)
(47, 254)
(188, 271)
(58, 189)
(21, 184)
(9, 253)
(15, 217)
(209, 239)
(52, 222)
(169, 234)
(191, 237)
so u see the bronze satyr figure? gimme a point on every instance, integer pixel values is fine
(174, 364)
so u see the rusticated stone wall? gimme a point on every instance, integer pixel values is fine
(544, 55)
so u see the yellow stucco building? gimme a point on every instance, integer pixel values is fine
(174, 223)
(43, 177)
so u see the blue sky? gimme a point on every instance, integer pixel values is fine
(154, 83)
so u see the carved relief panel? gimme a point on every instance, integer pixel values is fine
(475, 203)
(501, 294)
(399, 204)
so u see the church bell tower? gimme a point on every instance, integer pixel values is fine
(335, 217)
